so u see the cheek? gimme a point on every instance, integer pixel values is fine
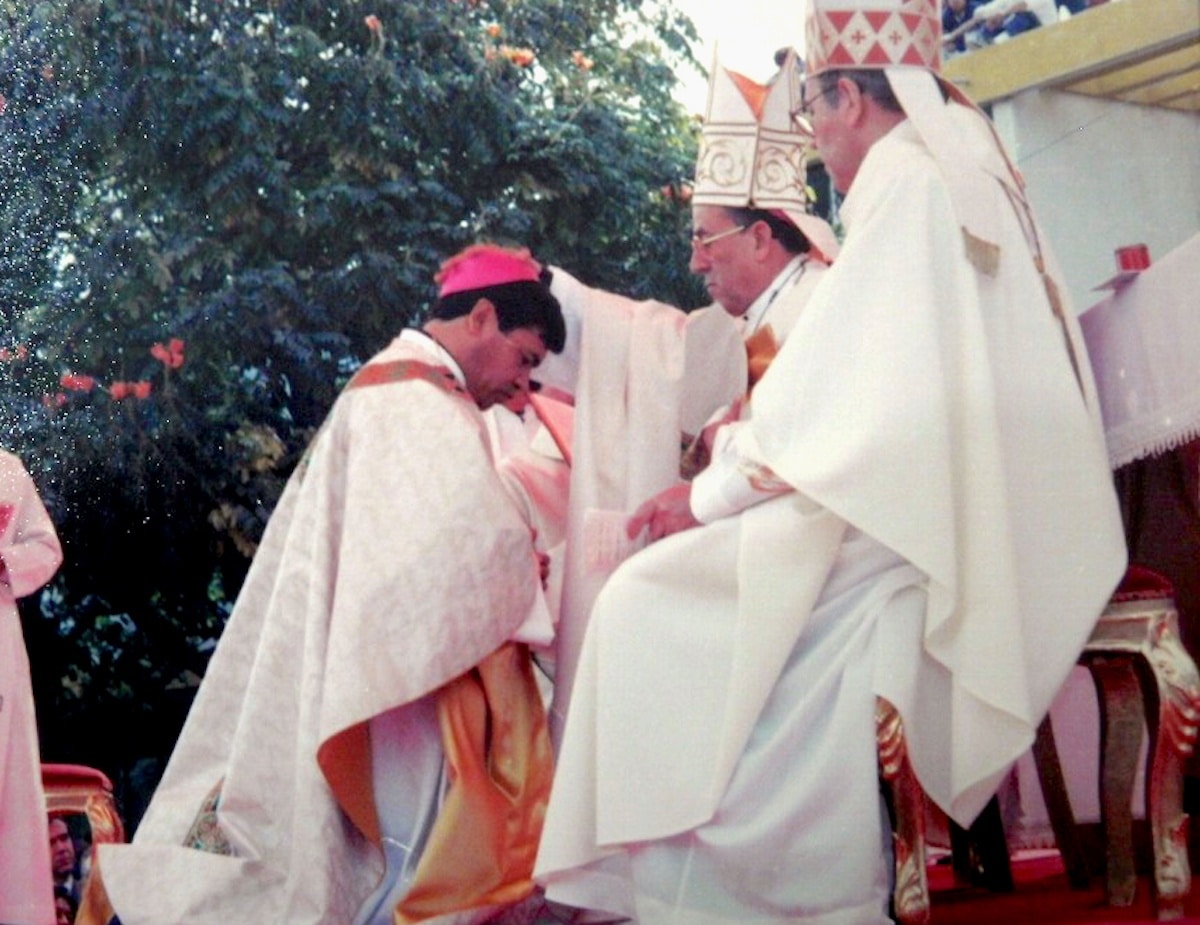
(821, 133)
(508, 373)
(718, 268)
(828, 146)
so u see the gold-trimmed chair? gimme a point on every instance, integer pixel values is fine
(1144, 679)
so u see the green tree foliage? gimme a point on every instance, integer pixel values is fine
(215, 210)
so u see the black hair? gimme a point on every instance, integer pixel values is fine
(523, 304)
(873, 83)
(788, 235)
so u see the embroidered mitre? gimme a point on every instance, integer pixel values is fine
(903, 39)
(873, 33)
(752, 152)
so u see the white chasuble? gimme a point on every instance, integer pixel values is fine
(937, 410)
(394, 562)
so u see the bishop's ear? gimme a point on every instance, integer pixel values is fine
(853, 96)
(482, 316)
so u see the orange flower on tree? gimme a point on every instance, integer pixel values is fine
(169, 354)
(123, 390)
(373, 23)
(494, 30)
(582, 61)
(52, 401)
(521, 57)
(681, 192)
(76, 382)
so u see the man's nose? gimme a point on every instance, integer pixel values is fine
(699, 263)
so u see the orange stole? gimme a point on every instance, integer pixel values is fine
(500, 765)
(761, 348)
(406, 371)
(94, 907)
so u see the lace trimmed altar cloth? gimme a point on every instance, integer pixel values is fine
(1144, 342)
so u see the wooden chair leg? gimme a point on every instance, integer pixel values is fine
(1058, 807)
(1144, 678)
(1121, 718)
(906, 805)
(1172, 702)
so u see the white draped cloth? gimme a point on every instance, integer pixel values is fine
(932, 520)
(644, 376)
(29, 555)
(1144, 339)
(642, 373)
(935, 408)
(394, 562)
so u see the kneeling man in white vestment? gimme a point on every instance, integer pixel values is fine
(368, 745)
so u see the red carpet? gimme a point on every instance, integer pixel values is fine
(1042, 896)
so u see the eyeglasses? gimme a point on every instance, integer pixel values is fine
(805, 109)
(703, 242)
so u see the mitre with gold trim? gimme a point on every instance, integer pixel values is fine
(752, 153)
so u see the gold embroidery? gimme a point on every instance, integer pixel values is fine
(206, 833)
(406, 371)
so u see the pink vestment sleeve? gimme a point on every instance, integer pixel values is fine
(29, 549)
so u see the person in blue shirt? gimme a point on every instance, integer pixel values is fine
(956, 14)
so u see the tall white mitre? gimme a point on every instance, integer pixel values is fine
(752, 150)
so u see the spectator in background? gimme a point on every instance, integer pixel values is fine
(1003, 19)
(29, 556)
(968, 24)
(960, 27)
(64, 861)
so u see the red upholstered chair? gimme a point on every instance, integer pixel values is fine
(1144, 679)
(72, 789)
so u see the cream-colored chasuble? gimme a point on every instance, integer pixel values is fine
(394, 563)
